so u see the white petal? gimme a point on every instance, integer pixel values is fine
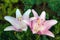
(18, 13)
(26, 14)
(23, 26)
(42, 16)
(35, 13)
(27, 22)
(9, 28)
(13, 21)
(25, 29)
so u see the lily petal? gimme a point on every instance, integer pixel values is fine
(49, 33)
(49, 23)
(35, 13)
(42, 16)
(18, 13)
(46, 32)
(23, 26)
(27, 22)
(32, 18)
(26, 14)
(13, 21)
(9, 28)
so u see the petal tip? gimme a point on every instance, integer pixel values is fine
(52, 36)
(43, 12)
(55, 21)
(29, 10)
(5, 30)
(17, 9)
(32, 9)
(5, 17)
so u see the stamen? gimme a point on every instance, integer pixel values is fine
(36, 27)
(38, 21)
(20, 18)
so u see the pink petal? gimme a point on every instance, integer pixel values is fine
(42, 16)
(33, 24)
(34, 13)
(49, 33)
(33, 18)
(18, 13)
(49, 23)
(46, 32)
(26, 14)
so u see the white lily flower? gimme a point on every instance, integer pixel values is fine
(18, 23)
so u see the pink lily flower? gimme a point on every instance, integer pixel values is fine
(39, 25)
(42, 26)
(17, 23)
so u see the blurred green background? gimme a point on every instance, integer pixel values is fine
(8, 7)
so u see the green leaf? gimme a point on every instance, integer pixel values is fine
(14, 1)
(28, 2)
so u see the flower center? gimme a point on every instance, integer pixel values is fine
(38, 21)
(22, 24)
(20, 18)
(37, 27)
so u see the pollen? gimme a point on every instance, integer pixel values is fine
(38, 21)
(20, 18)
